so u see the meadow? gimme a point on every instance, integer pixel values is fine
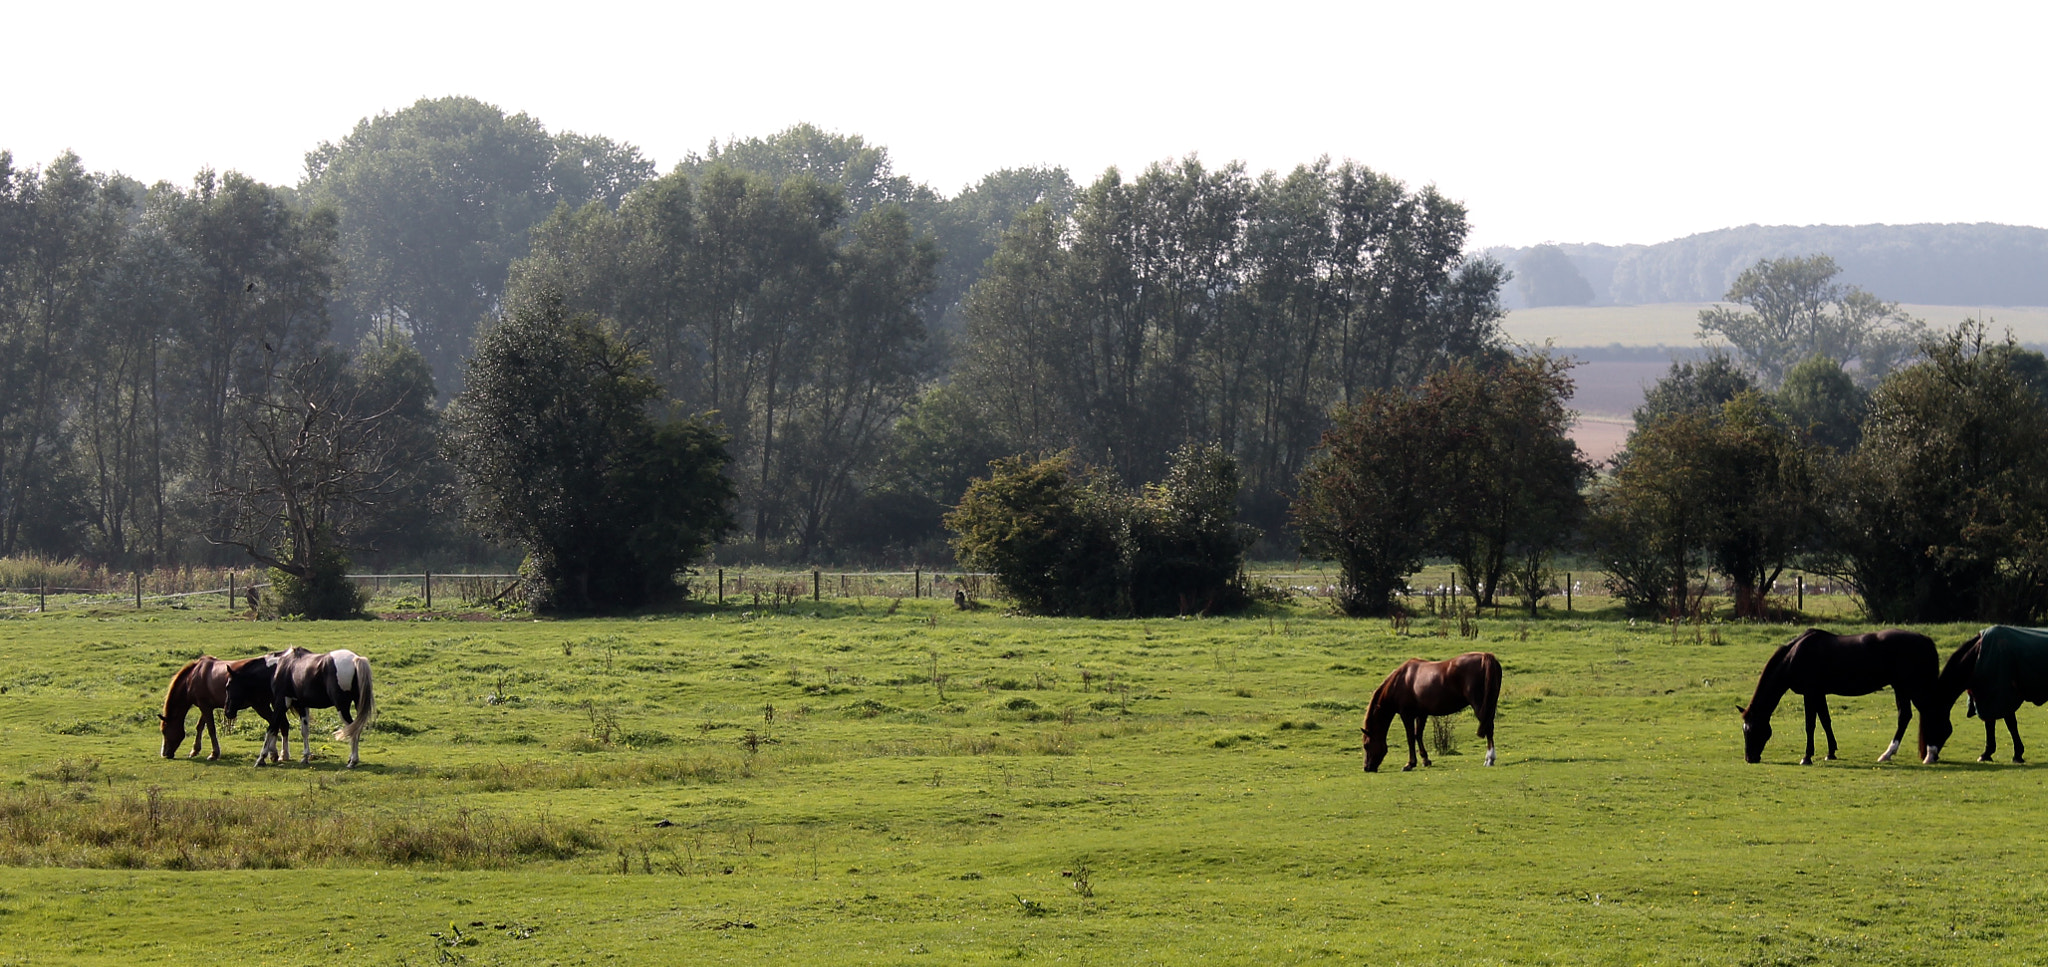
(894, 781)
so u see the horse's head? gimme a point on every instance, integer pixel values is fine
(1935, 729)
(1375, 749)
(1754, 735)
(174, 734)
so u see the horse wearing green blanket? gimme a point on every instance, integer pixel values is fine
(2001, 667)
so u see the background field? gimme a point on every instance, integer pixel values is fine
(884, 781)
(1676, 324)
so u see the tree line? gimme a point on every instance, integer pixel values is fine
(173, 358)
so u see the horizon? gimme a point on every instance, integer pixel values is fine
(1588, 123)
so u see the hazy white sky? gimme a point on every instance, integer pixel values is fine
(1575, 122)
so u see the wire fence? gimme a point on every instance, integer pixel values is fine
(1434, 589)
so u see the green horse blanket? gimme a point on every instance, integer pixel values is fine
(2012, 667)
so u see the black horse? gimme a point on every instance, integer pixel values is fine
(2001, 668)
(1818, 664)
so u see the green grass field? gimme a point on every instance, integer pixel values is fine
(896, 782)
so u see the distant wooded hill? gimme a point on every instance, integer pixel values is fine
(1981, 264)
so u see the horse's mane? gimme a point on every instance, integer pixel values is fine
(181, 681)
(1372, 709)
(1769, 685)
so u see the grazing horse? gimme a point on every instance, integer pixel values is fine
(1818, 664)
(208, 683)
(1419, 689)
(302, 680)
(2001, 668)
(201, 684)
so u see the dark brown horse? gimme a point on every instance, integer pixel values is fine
(1419, 689)
(1818, 664)
(2001, 668)
(302, 680)
(208, 683)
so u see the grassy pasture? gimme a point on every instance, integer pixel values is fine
(938, 787)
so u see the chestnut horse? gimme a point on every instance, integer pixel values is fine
(208, 683)
(1419, 689)
(301, 680)
(2001, 668)
(1817, 664)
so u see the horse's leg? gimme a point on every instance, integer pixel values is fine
(1408, 727)
(1905, 716)
(1421, 733)
(1827, 724)
(305, 734)
(211, 733)
(1990, 737)
(2019, 749)
(1811, 714)
(199, 732)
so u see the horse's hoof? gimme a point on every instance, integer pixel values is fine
(1983, 758)
(1806, 761)
(1408, 768)
(1831, 757)
(213, 757)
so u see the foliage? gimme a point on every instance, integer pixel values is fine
(1191, 303)
(1822, 402)
(1942, 509)
(1065, 539)
(1691, 387)
(555, 450)
(1546, 276)
(1509, 472)
(1730, 488)
(1793, 310)
(1475, 465)
(1367, 495)
(435, 202)
(319, 587)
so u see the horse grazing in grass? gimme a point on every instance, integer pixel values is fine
(2001, 668)
(1419, 689)
(301, 680)
(1818, 664)
(208, 683)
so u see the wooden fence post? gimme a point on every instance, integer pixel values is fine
(429, 582)
(138, 589)
(817, 583)
(721, 585)
(1802, 591)
(917, 582)
(1567, 591)
(231, 592)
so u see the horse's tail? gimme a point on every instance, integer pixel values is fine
(366, 703)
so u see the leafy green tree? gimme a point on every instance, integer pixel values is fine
(554, 449)
(1065, 539)
(1692, 387)
(1368, 494)
(1509, 471)
(1730, 489)
(1822, 401)
(1941, 511)
(1547, 277)
(1038, 527)
(61, 227)
(435, 202)
(1791, 309)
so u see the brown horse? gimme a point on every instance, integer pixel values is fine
(1419, 689)
(208, 683)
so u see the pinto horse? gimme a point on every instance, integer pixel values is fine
(1817, 664)
(302, 680)
(208, 683)
(2001, 668)
(1419, 689)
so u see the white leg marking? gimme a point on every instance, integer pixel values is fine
(1888, 753)
(1489, 757)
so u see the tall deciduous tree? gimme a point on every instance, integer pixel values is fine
(1792, 309)
(555, 450)
(435, 202)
